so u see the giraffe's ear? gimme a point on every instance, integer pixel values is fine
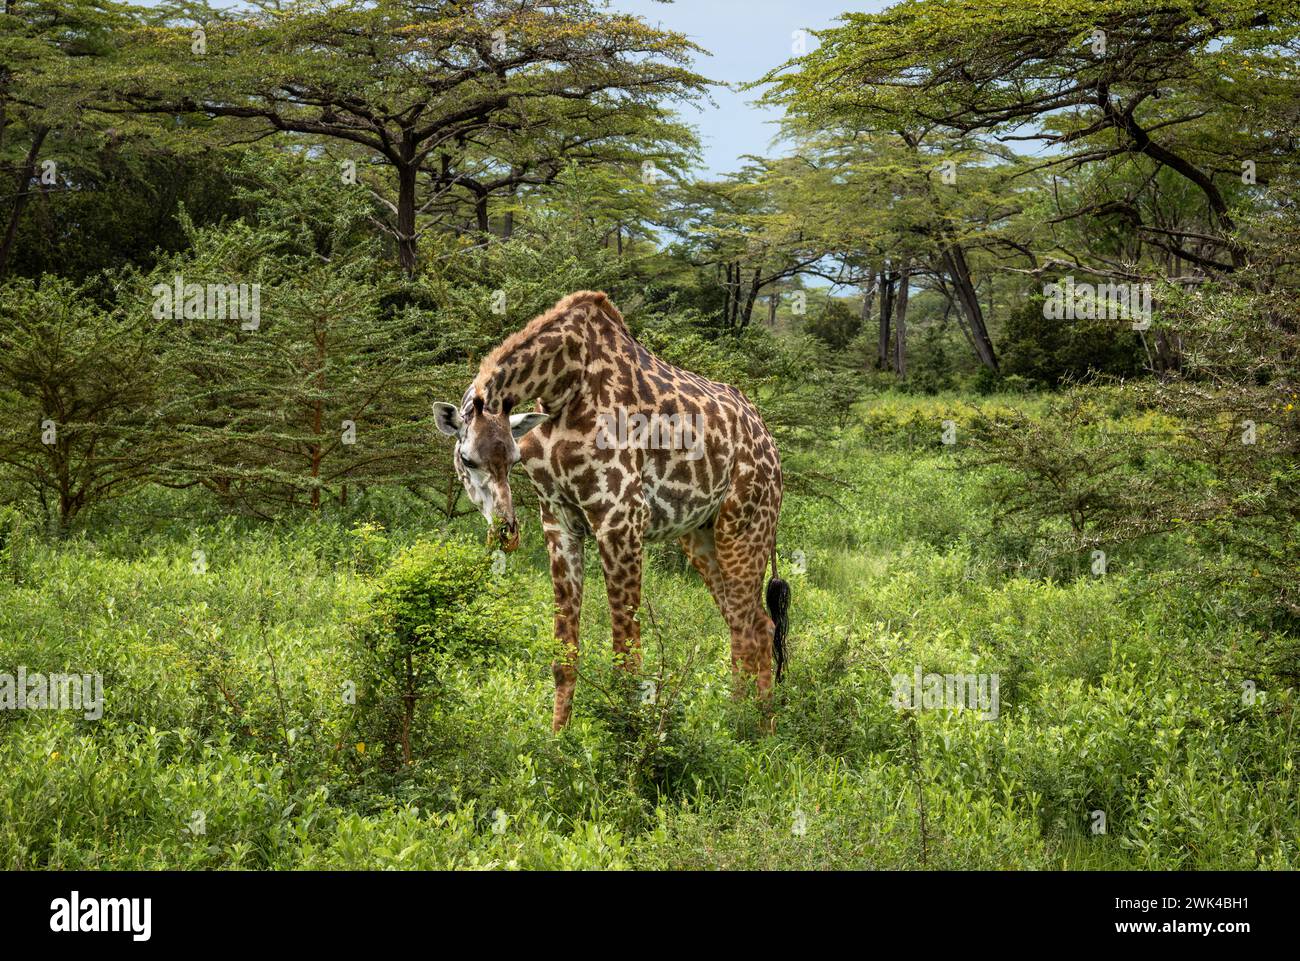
(447, 418)
(521, 424)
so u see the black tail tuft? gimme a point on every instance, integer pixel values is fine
(778, 606)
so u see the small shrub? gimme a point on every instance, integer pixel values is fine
(437, 599)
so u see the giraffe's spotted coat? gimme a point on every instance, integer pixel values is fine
(579, 361)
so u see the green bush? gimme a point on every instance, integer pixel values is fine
(835, 324)
(437, 600)
(437, 594)
(930, 367)
(1050, 352)
(13, 531)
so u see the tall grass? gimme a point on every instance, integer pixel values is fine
(227, 648)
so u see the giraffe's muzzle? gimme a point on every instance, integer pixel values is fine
(504, 534)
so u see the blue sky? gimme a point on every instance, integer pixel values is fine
(746, 39)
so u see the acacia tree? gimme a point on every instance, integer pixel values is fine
(324, 383)
(879, 204)
(480, 98)
(46, 48)
(1112, 81)
(635, 148)
(79, 387)
(755, 234)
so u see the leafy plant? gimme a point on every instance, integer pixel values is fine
(436, 600)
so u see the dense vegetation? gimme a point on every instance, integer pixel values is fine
(227, 695)
(243, 519)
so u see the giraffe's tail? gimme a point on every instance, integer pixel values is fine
(778, 608)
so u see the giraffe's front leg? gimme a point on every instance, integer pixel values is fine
(620, 558)
(566, 577)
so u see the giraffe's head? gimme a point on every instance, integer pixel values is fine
(485, 452)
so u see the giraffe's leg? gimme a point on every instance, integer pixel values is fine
(742, 569)
(744, 534)
(703, 555)
(620, 558)
(701, 548)
(565, 549)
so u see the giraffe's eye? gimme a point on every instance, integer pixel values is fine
(470, 464)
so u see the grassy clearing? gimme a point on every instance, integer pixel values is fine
(227, 739)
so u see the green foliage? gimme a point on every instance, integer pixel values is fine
(575, 83)
(1077, 466)
(12, 538)
(79, 389)
(930, 368)
(835, 324)
(437, 600)
(125, 209)
(226, 695)
(1206, 454)
(1050, 353)
(327, 385)
(438, 595)
(51, 138)
(485, 291)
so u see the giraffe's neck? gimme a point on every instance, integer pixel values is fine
(529, 373)
(549, 365)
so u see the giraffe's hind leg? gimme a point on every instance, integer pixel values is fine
(703, 555)
(742, 562)
(701, 550)
(744, 537)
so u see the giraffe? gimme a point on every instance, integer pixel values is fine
(625, 449)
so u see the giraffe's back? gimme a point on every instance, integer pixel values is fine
(646, 442)
(715, 443)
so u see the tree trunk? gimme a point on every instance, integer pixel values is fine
(886, 309)
(772, 300)
(868, 298)
(954, 261)
(960, 317)
(733, 295)
(753, 296)
(318, 420)
(316, 453)
(900, 323)
(22, 190)
(406, 248)
(729, 290)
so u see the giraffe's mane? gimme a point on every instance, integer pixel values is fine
(606, 312)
